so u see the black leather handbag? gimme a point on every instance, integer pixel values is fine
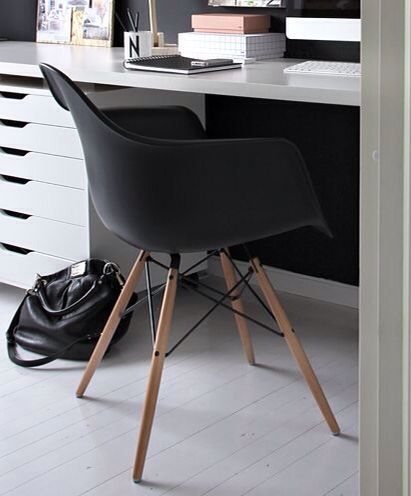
(64, 313)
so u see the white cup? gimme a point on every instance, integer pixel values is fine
(138, 44)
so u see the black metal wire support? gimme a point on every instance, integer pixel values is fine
(207, 314)
(187, 281)
(191, 287)
(189, 284)
(250, 288)
(142, 300)
(150, 306)
(209, 255)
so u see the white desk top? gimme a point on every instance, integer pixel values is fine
(104, 66)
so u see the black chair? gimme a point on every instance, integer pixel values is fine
(159, 184)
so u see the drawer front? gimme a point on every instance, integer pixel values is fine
(45, 236)
(40, 138)
(21, 270)
(45, 200)
(33, 108)
(45, 168)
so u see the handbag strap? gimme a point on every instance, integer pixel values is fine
(109, 269)
(39, 292)
(13, 355)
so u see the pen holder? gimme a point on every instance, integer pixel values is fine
(138, 44)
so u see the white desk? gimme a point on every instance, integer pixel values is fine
(57, 189)
(104, 66)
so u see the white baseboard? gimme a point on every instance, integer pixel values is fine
(301, 285)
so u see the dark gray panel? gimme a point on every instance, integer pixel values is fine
(175, 15)
(328, 137)
(18, 17)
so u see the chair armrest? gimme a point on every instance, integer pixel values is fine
(170, 122)
(252, 162)
(261, 185)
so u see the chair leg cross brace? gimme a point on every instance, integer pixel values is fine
(209, 312)
(231, 309)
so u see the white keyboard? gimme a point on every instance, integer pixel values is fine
(325, 68)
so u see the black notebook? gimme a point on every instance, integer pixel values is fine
(177, 64)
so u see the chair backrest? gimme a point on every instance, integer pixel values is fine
(123, 179)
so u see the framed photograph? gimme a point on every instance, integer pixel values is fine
(78, 3)
(76, 22)
(93, 25)
(54, 21)
(247, 3)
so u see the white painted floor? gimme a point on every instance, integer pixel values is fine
(222, 428)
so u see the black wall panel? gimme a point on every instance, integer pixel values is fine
(17, 17)
(175, 15)
(328, 137)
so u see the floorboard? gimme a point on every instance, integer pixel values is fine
(221, 428)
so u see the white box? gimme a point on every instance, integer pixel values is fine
(236, 46)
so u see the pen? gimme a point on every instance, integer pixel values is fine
(137, 20)
(130, 18)
(123, 27)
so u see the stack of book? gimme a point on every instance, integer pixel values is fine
(239, 37)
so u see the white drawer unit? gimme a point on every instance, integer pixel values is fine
(44, 200)
(45, 236)
(21, 270)
(31, 137)
(46, 220)
(45, 168)
(44, 223)
(33, 108)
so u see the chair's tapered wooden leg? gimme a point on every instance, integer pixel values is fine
(237, 304)
(295, 345)
(112, 323)
(156, 370)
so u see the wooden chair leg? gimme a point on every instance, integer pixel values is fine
(237, 304)
(112, 323)
(156, 370)
(295, 345)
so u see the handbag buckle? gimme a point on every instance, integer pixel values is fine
(34, 289)
(111, 268)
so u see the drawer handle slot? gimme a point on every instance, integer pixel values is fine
(16, 180)
(15, 249)
(17, 215)
(13, 151)
(9, 123)
(12, 96)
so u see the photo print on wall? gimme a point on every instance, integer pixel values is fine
(247, 3)
(76, 22)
